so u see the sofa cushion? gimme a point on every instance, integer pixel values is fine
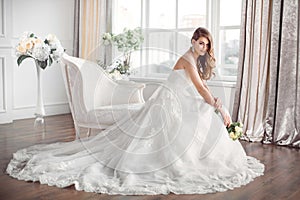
(108, 115)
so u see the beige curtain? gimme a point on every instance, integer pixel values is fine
(268, 86)
(90, 24)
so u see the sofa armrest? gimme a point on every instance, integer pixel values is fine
(128, 92)
(130, 83)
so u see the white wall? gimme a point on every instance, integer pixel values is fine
(18, 84)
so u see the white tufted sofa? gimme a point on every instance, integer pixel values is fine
(97, 101)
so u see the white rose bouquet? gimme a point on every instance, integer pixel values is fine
(44, 52)
(235, 130)
(126, 42)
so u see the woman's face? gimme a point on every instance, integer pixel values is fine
(201, 45)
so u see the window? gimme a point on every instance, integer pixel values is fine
(228, 34)
(168, 26)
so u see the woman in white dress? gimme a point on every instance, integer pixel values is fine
(176, 143)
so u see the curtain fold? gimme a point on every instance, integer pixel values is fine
(90, 24)
(267, 95)
(76, 28)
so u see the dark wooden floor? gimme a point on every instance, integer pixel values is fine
(281, 179)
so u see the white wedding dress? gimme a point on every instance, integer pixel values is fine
(176, 143)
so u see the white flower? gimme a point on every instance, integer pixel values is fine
(55, 46)
(231, 135)
(241, 125)
(25, 36)
(235, 130)
(125, 42)
(57, 54)
(41, 51)
(235, 137)
(107, 38)
(36, 40)
(238, 129)
(115, 75)
(20, 49)
(27, 44)
(52, 38)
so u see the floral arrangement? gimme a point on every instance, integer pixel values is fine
(235, 130)
(44, 52)
(126, 42)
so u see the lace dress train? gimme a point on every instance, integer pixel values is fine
(176, 143)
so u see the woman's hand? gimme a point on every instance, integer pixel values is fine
(218, 103)
(226, 118)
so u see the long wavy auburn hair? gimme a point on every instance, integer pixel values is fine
(207, 62)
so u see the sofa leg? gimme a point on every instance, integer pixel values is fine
(77, 131)
(89, 132)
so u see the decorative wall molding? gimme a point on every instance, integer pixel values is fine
(6, 77)
(2, 19)
(5, 23)
(51, 109)
(2, 86)
(46, 105)
(17, 83)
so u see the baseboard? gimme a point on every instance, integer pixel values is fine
(51, 109)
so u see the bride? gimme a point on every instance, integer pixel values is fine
(176, 143)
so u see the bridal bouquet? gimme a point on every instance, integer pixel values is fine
(44, 52)
(126, 42)
(235, 130)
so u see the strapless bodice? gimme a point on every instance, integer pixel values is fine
(179, 81)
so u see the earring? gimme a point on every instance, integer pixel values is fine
(193, 48)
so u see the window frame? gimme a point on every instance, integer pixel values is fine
(212, 23)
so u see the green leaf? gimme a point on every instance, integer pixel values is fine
(42, 64)
(50, 61)
(31, 35)
(21, 58)
(112, 71)
(52, 50)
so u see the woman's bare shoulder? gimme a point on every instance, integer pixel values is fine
(179, 64)
(186, 61)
